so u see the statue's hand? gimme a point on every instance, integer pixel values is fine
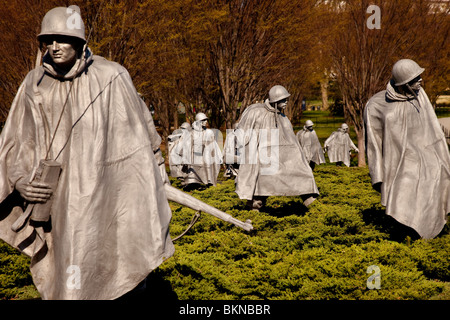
(37, 192)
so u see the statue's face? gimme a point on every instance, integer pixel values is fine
(62, 51)
(310, 128)
(416, 83)
(203, 123)
(282, 104)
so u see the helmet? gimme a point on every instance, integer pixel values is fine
(63, 21)
(200, 116)
(185, 125)
(344, 126)
(277, 93)
(405, 70)
(309, 123)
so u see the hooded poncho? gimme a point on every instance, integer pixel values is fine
(338, 147)
(271, 161)
(408, 155)
(200, 152)
(310, 145)
(109, 225)
(174, 139)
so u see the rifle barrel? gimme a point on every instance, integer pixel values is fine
(183, 198)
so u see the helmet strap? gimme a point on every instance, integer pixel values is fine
(415, 96)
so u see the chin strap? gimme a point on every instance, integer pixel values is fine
(415, 96)
(276, 114)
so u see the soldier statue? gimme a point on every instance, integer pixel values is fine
(200, 154)
(175, 165)
(310, 144)
(409, 161)
(79, 137)
(339, 146)
(271, 161)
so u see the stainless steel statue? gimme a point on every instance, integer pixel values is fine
(231, 154)
(199, 154)
(271, 161)
(310, 144)
(175, 165)
(339, 146)
(109, 223)
(407, 153)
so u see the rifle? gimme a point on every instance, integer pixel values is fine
(183, 198)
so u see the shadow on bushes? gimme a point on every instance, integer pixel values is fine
(280, 210)
(154, 289)
(386, 224)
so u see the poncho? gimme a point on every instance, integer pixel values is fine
(174, 139)
(109, 225)
(311, 147)
(407, 154)
(271, 162)
(338, 147)
(199, 151)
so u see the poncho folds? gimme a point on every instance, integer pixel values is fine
(310, 145)
(408, 156)
(338, 147)
(198, 150)
(110, 217)
(174, 139)
(271, 162)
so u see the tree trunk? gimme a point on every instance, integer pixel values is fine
(162, 109)
(324, 91)
(362, 148)
(175, 116)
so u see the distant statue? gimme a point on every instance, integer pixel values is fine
(231, 156)
(175, 165)
(408, 156)
(339, 146)
(271, 161)
(200, 153)
(310, 144)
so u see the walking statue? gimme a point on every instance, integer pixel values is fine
(271, 161)
(200, 154)
(231, 154)
(310, 144)
(83, 187)
(175, 165)
(339, 146)
(408, 156)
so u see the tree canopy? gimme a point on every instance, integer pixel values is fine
(220, 56)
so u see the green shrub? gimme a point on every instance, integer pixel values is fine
(433, 257)
(15, 277)
(321, 252)
(294, 252)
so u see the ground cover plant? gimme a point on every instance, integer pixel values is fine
(321, 252)
(294, 252)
